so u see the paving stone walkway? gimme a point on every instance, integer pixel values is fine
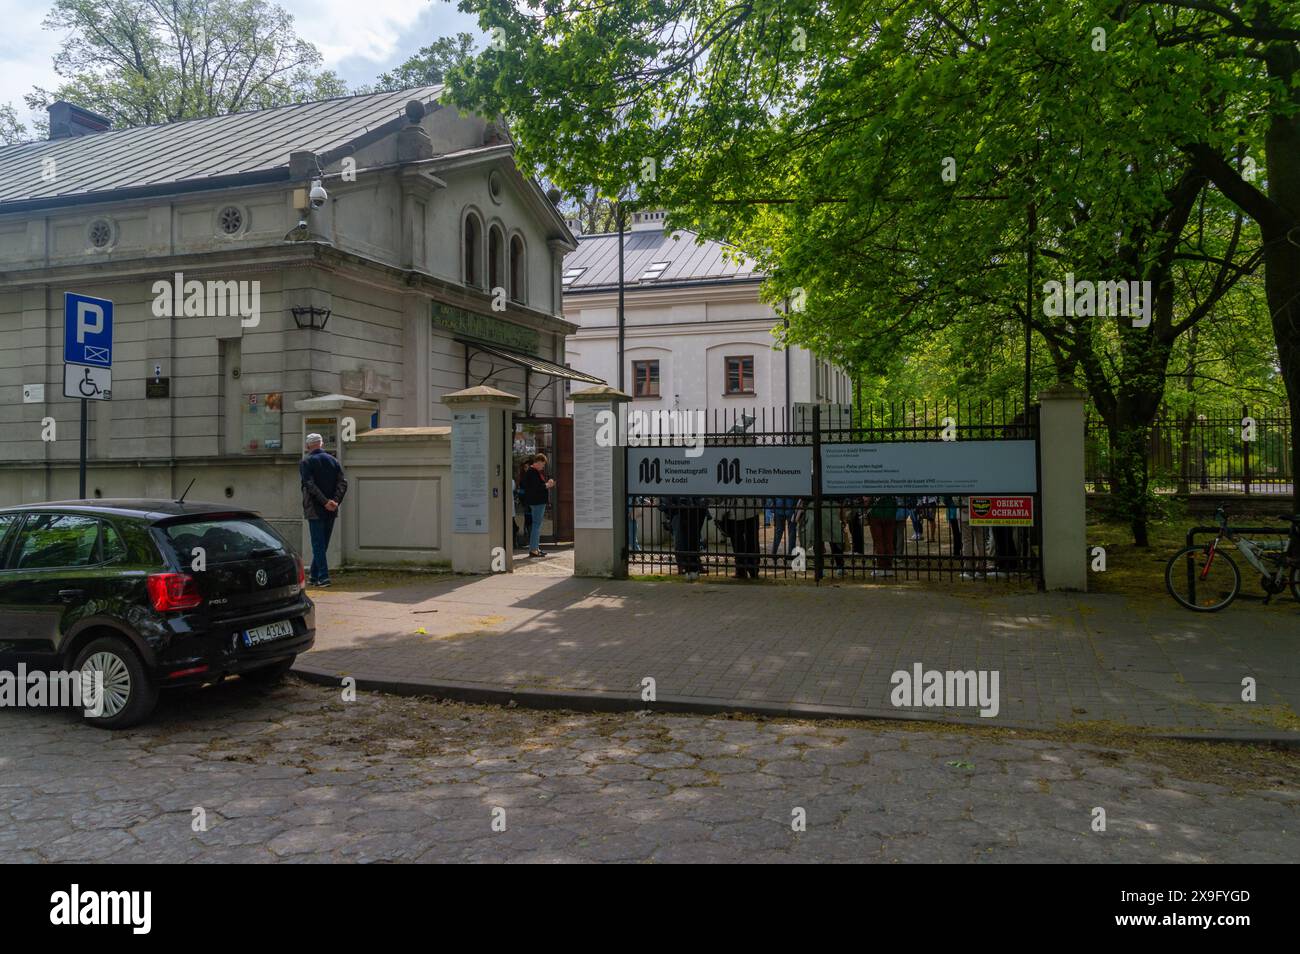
(1061, 660)
(297, 774)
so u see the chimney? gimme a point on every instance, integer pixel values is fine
(648, 221)
(68, 119)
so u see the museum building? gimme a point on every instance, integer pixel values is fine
(307, 267)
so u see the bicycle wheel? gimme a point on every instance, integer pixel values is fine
(1201, 581)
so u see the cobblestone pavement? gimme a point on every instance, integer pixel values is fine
(296, 774)
(1062, 659)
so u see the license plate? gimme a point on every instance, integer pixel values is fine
(264, 634)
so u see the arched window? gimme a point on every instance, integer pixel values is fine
(472, 241)
(496, 252)
(518, 270)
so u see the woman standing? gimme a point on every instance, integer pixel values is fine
(882, 520)
(537, 494)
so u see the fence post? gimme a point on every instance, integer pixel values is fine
(600, 516)
(818, 568)
(1064, 501)
(1245, 451)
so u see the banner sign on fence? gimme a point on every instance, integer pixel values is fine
(930, 467)
(762, 471)
(1001, 511)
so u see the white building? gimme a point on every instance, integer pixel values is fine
(696, 335)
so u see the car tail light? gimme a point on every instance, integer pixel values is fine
(173, 591)
(302, 577)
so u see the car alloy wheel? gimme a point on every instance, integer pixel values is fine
(116, 677)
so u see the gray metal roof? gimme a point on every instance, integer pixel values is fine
(197, 153)
(689, 258)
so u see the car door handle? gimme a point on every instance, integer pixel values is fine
(69, 595)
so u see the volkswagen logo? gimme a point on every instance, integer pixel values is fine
(261, 578)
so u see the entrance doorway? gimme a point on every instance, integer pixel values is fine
(552, 436)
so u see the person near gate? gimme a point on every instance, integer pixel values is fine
(974, 543)
(687, 516)
(537, 494)
(882, 521)
(834, 514)
(783, 527)
(952, 505)
(737, 519)
(323, 489)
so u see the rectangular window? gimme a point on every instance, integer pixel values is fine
(645, 379)
(262, 415)
(740, 374)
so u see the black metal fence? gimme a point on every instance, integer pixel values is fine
(1193, 453)
(887, 537)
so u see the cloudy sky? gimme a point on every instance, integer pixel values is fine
(357, 47)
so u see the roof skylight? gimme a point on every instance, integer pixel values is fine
(653, 271)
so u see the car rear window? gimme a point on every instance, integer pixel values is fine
(223, 540)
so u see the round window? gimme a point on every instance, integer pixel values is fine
(100, 233)
(230, 220)
(494, 186)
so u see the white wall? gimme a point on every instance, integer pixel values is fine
(691, 332)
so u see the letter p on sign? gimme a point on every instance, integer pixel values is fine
(85, 310)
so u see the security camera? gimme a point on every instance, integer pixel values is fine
(317, 195)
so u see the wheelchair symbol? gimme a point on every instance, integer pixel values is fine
(87, 385)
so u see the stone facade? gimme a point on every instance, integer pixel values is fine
(386, 245)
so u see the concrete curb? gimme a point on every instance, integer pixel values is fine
(586, 700)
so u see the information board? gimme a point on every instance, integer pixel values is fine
(469, 471)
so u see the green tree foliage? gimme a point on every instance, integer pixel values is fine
(893, 166)
(11, 130)
(430, 65)
(140, 62)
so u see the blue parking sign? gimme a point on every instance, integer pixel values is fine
(87, 330)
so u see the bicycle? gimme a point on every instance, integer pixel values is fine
(1204, 578)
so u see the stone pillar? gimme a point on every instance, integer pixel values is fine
(599, 488)
(1064, 503)
(482, 492)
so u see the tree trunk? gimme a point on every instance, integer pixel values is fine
(1130, 500)
(1282, 287)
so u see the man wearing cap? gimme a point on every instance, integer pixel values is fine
(323, 487)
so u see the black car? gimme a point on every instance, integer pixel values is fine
(151, 594)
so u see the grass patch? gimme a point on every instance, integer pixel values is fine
(1132, 570)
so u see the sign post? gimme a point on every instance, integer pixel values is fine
(87, 359)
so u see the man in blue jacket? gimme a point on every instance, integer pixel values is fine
(323, 488)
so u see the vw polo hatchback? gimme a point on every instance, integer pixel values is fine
(148, 595)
